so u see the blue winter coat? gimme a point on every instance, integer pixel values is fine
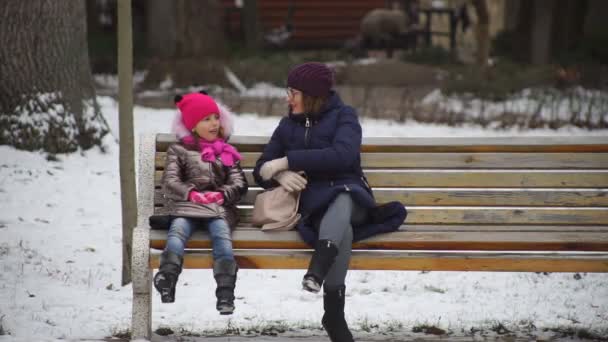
(327, 148)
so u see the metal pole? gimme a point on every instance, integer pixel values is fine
(125, 112)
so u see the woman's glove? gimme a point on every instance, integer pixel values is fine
(272, 167)
(206, 197)
(291, 181)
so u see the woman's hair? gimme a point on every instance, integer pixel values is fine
(313, 104)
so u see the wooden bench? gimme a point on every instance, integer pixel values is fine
(474, 204)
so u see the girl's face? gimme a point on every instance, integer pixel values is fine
(208, 128)
(295, 101)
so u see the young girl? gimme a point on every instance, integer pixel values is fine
(202, 183)
(321, 136)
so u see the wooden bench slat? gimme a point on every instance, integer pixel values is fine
(471, 197)
(441, 228)
(487, 215)
(365, 260)
(474, 179)
(458, 160)
(444, 240)
(439, 144)
(488, 179)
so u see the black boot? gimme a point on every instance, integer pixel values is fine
(333, 320)
(167, 275)
(320, 263)
(224, 272)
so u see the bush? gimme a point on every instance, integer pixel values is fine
(432, 55)
(497, 83)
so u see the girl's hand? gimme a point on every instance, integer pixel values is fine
(214, 197)
(206, 198)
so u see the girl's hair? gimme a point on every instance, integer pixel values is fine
(313, 104)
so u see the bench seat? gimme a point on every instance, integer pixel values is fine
(525, 204)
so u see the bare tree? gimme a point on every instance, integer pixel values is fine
(251, 23)
(482, 32)
(185, 28)
(47, 99)
(542, 27)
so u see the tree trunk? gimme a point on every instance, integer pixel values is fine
(542, 26)
(511, 16)
(161, 26)
(194, 37)
(127, 159)
(200, 32)
(251, 24)
(185, 29)
(568, 25)
(47, 99)
(482, 32)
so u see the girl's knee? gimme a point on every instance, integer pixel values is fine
(220, 231)
(180, 222)
(180, 228)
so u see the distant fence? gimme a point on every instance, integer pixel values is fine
(537, 108)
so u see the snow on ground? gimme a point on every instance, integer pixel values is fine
(60, 260)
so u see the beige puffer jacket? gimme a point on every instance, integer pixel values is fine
(185, 171)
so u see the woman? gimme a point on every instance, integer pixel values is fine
(316, 150)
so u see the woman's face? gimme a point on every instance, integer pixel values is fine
(208, 128)
(295, 101)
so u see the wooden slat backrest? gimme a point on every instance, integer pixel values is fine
(516, 193)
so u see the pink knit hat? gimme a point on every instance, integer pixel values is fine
(193, 108)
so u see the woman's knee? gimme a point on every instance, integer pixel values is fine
(340, 211)
(343, 202)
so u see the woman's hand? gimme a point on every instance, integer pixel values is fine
(271, 168)
(291, 181)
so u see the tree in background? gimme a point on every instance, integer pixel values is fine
(47, 99)
(482, 32)
(185, 29)
(184, 38)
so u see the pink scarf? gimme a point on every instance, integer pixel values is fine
(210, 150)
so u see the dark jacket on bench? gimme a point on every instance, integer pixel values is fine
(328, 151)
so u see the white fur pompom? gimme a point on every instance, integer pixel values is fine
(178, 126)
(226, 119)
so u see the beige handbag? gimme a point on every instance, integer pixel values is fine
(276, 209)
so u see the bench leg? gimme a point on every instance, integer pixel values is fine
(141, 324)
(141, 319)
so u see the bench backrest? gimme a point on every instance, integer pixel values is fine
(474, 191)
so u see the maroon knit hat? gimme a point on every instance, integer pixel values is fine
(312, 78)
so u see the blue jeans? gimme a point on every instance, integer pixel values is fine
(182, 228)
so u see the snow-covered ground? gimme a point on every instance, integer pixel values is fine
(60, 260)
